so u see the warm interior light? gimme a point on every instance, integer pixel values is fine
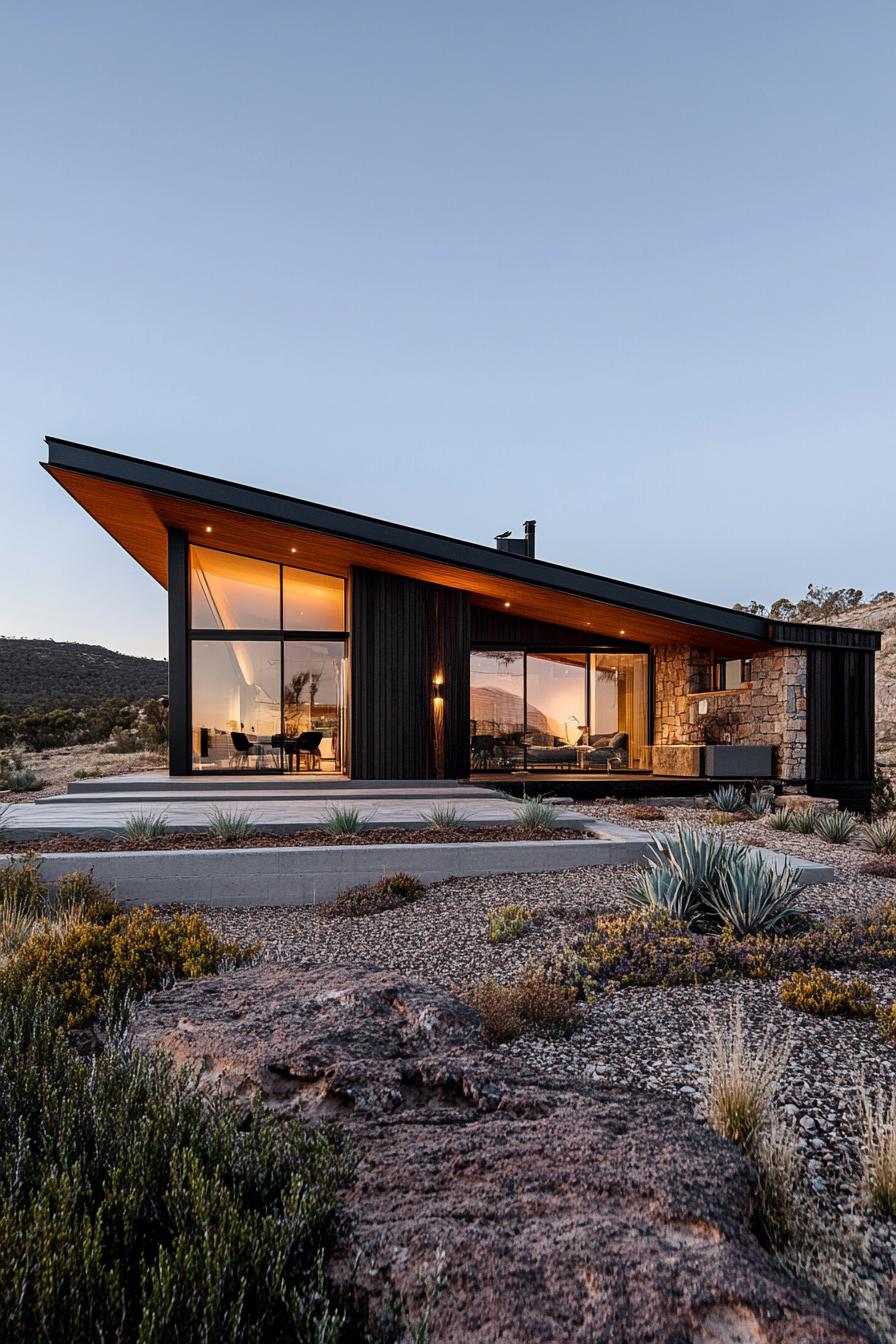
(507, 604)
(292, 549)
(622, 632)
(208, 529)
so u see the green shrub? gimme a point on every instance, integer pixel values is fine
(650, 948)
(21, 883)
(230, 823)
(782, 819)
(879, 835)
(883, 794)
(145, 825)
(134, 1209)
(80, 891)
(728, 798)
(820, 993)
(509, 922)
(389, 893)
(835, 827)
(534, 815)
(41, 729)
(23, 781)
(93, 965)
(344, 821)
(534, 1003)
(444, 817)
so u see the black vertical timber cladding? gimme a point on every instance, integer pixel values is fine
(179, 752)
(840, 724)
(403, 633)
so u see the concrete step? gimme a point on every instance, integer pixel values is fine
(248, 797)
(246, 780)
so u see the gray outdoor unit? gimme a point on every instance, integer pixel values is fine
(742, 762)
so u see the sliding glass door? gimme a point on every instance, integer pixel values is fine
(558, 710)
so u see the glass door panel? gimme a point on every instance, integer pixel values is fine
(497, 710)
(313, 705)
(556, 715)
(236, 704)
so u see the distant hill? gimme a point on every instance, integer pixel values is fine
(44, 672)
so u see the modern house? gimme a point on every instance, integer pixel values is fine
(303, 637)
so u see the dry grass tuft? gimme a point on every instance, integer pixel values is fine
(533, 1003)
(740, 1078)
(877, 1111)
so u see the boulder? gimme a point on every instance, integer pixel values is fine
(530, 1210)
(803, 802)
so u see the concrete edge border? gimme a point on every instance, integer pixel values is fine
(311, 874)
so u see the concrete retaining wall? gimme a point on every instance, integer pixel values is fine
(303, 876)
(307, 875)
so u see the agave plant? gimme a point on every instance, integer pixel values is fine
(757, 806)
(804, 820)
(728, 798)
(681, 869)
(751, 896)
(879, 835)
(662, 889)
(835, 827)
(782, 819)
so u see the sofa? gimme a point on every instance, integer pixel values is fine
(603, 750)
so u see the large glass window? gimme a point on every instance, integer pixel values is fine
(560, 710)
(233, 592)
(312, 601)
(236, 704)
(266, 701)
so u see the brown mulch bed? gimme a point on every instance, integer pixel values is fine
(379, 835)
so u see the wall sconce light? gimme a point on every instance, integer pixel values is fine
(438, 690)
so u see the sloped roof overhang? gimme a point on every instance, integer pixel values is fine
(137, 501)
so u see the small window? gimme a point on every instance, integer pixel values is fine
(730, 673)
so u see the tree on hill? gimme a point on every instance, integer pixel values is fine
(819, 604)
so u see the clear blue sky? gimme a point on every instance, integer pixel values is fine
(628, 268)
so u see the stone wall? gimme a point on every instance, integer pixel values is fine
(768, 711)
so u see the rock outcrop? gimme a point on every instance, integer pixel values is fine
(548, 1213)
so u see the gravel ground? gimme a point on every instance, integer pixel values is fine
(647, 1038)
(57, 766)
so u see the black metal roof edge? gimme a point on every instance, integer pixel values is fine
(807, 635)
(202, 489)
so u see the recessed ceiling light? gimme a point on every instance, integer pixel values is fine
(507, 604)
(208, 529)
(293, 549)
(622, 632)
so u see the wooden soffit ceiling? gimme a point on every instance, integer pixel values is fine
(138, 519)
